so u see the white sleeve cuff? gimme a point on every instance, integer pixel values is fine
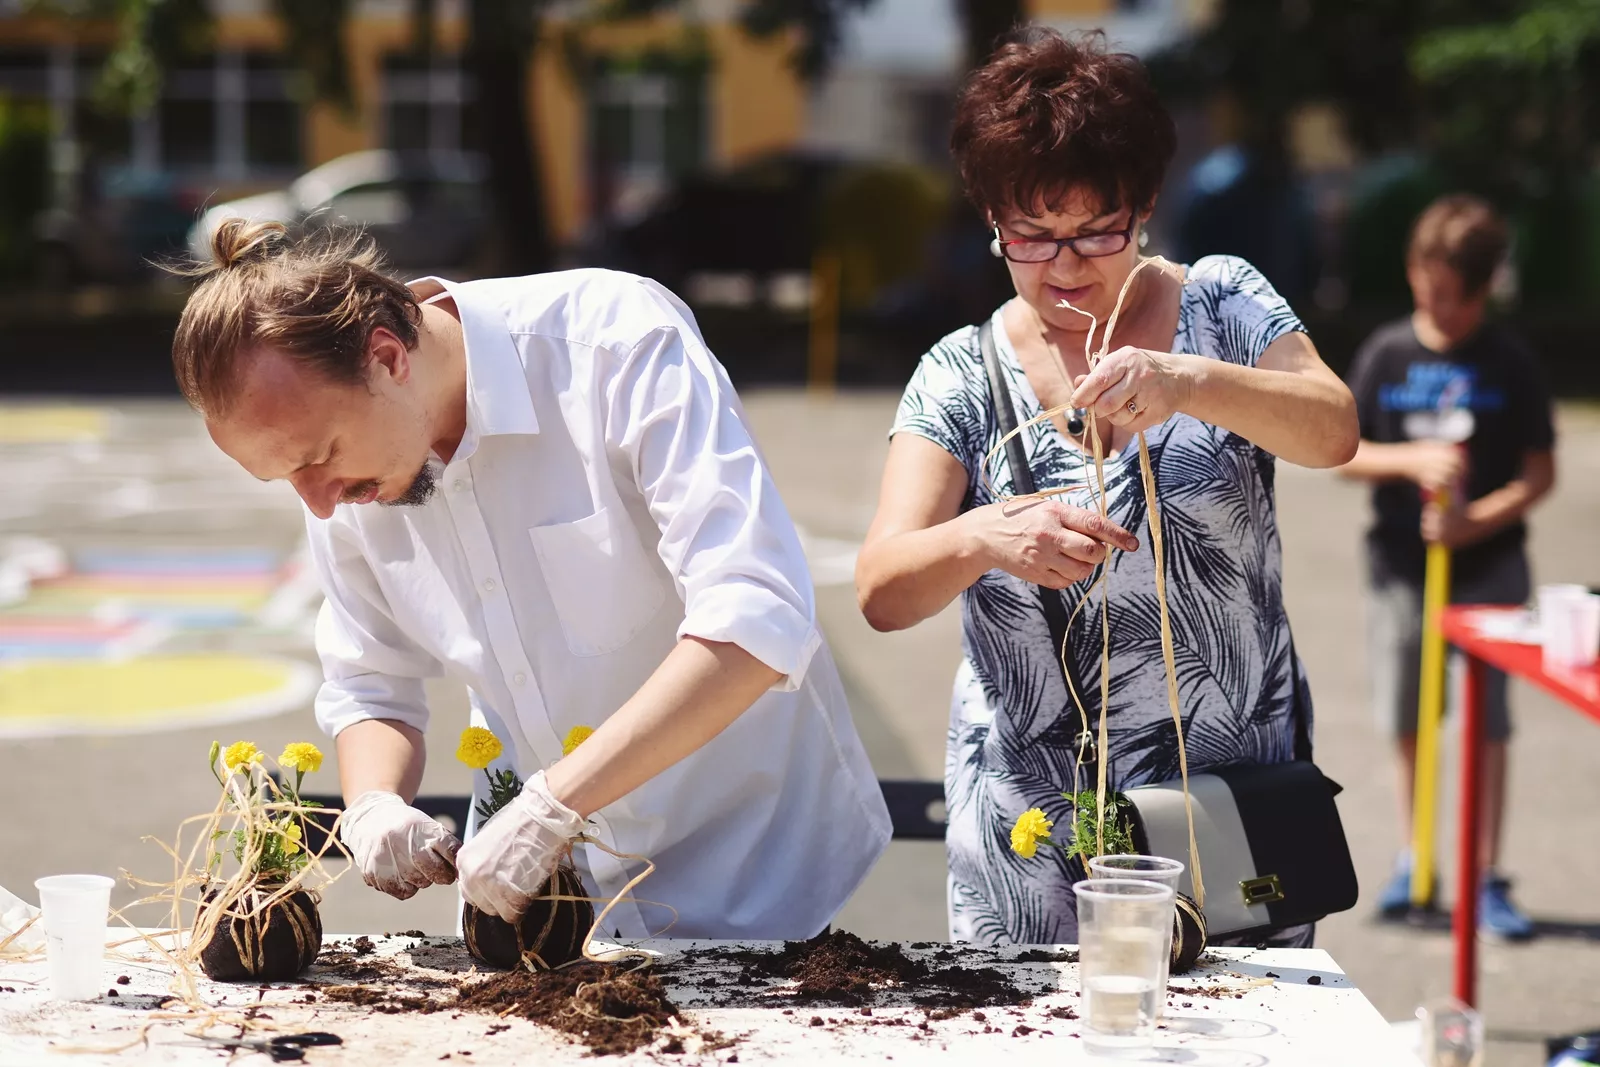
(344, 703)
(758, 621)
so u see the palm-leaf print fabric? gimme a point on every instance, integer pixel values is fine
(1010, 744)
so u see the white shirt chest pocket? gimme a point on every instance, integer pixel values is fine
(603, 585)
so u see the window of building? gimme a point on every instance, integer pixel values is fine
(427, 107)
(229, 116)
(647, 128)
(274, 133)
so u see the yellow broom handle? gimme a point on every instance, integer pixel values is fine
(1430, 710)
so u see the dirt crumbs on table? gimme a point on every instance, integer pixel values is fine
(610, 1009)
(839, 967)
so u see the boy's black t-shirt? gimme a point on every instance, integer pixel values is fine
(1489, 390)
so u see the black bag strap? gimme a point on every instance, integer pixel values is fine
(1301, 708)
(1055, 611)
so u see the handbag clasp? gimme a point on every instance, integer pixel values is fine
(1264, 890)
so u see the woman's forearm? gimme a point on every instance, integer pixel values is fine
(907, 577)
(699, 689)
(1306, 419)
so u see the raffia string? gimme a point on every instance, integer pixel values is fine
(1101, 498)
(644, 957)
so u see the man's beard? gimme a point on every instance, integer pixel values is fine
(422, 488)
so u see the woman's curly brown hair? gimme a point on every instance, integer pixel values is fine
(1051, 115)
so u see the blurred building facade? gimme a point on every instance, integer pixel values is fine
(620, 108)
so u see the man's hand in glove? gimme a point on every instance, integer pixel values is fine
(507, 861)
(398, 849)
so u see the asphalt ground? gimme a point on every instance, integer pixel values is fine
(143, 477)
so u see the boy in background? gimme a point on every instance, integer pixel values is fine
(1457, 439)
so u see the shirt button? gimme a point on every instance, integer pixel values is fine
(519, 678)
(488, 585)
(460, 485)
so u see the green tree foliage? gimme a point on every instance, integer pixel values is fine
(1492, 96)
(24, 179)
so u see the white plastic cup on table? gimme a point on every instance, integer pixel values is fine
(1124, 928)
(73, 909)
(1569, 622)
(1156, 869)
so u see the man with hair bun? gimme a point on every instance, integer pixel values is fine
(1457, 439)
(544, 488)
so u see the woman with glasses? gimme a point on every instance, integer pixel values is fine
(1062, 148)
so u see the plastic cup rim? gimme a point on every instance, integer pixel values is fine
(1164, 864)
(1125, 889)
(81, 883)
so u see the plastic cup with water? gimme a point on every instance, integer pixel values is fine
(1124, 932)
(1452, 1034)
(73, 909)
(1156, 869)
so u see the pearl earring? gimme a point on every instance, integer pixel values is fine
(1144, 238)
(994, 248)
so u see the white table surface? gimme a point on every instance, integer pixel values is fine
(1281, 1020)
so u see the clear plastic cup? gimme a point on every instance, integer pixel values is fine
(1452, 1034)
(73, 909)
(1156, 869)
(1124, 926)
(1569, 622)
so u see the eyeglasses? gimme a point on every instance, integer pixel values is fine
(1045, 249)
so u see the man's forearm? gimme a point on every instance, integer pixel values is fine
(381, 754)
(699, 689)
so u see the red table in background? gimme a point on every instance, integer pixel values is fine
(1577, 687)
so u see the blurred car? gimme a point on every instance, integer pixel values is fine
(424, 215)
(741, 237)
(122, 224)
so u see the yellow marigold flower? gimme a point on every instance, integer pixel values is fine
(291, 843)
(301, 756)
(1030, 827)
(240, 754)
(575, 737)
(478, 748)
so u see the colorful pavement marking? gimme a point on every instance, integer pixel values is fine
(93, 650)
(35, 424)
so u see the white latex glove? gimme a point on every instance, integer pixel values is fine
(16, 933)
(504, 864)
(398, 848)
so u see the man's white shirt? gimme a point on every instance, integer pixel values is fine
(607, 500)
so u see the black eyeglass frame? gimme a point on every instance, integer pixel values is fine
(1000, 244)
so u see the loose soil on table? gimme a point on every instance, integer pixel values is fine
(608, 1008)
(840, 968)
(614, 1010)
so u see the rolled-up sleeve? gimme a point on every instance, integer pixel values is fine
(370, 669)
(726, 538)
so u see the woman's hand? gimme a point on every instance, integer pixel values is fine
(1045, 542)
(1136, 388)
